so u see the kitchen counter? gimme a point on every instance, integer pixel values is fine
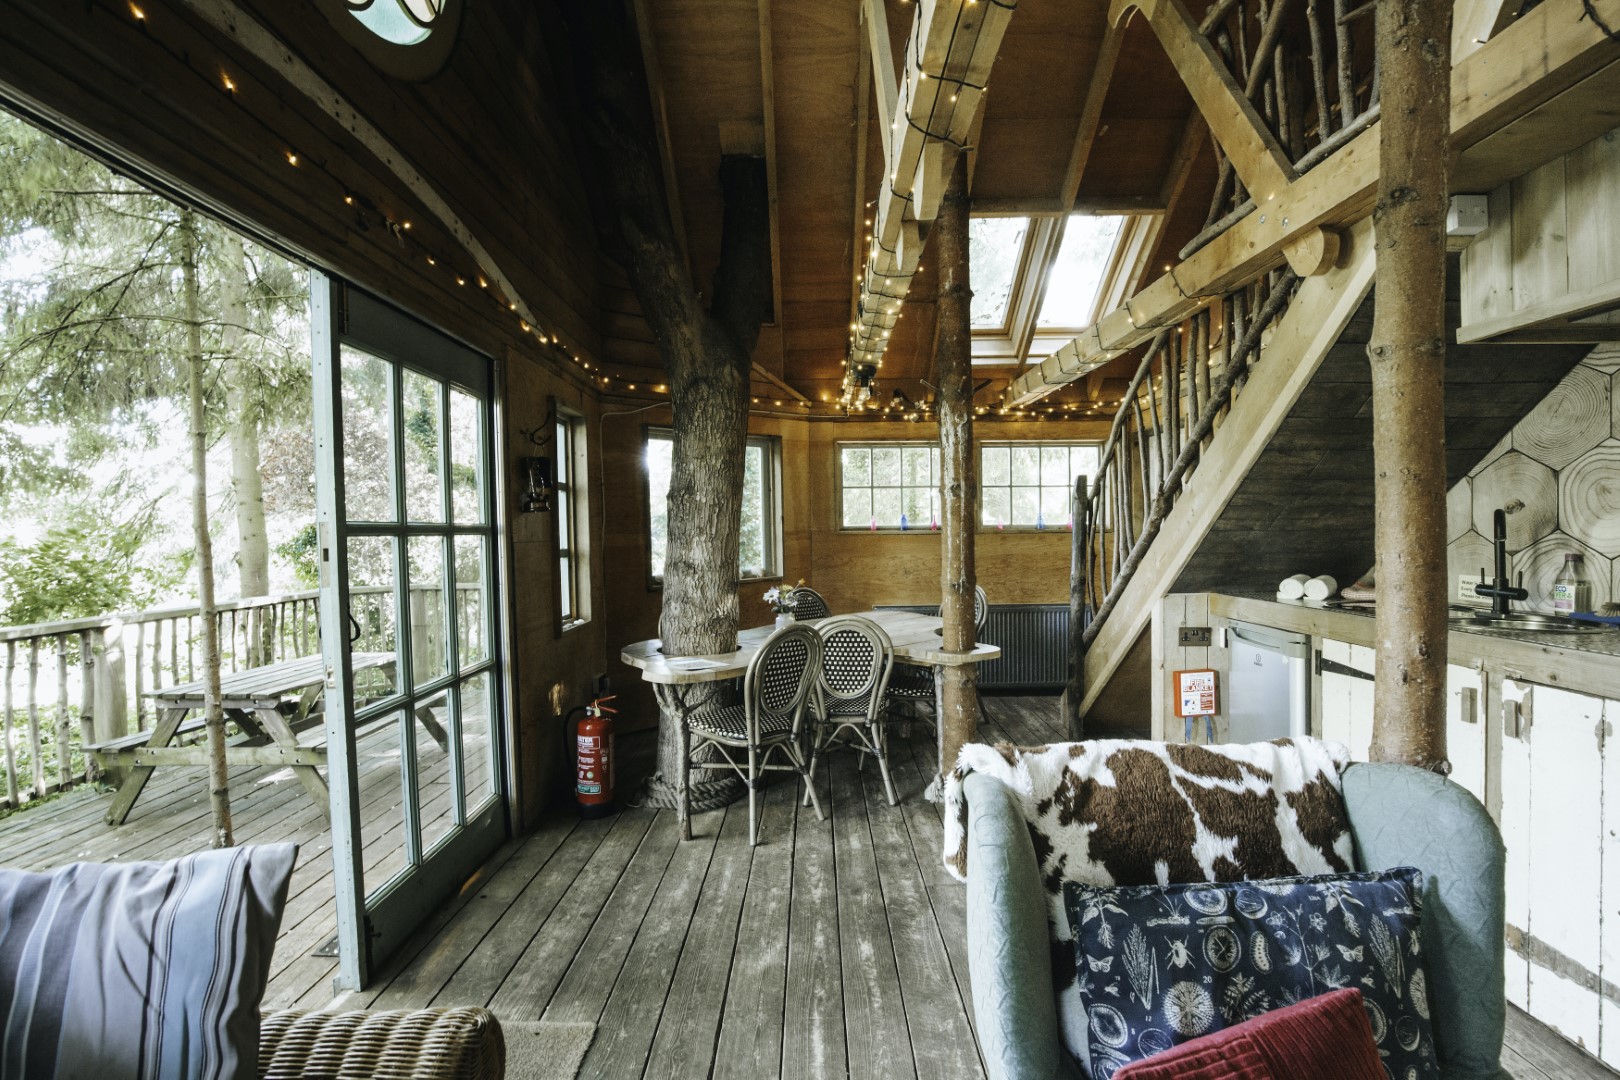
(1586, 662)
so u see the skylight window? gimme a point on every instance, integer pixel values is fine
(995, 247)
(1077, 272)
(403, 22)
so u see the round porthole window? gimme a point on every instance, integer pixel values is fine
(410, 39)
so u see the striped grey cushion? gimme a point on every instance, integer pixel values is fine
(139, 969)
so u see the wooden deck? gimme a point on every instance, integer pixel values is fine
(834, 948)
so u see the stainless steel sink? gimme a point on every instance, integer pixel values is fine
(1521, 621)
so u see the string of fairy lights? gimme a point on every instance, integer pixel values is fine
(459, 271)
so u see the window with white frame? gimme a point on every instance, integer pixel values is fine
(888, 485)
(759, 552)
(570, 501)
(1030, 485)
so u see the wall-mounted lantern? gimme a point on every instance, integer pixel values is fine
(536, 485)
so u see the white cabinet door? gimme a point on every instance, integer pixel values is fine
(1515, 826)
(1609, 969)
(1565, 839)
(1347, 700)
(1465, 727)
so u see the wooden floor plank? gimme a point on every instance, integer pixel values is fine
(877, 1039)
(633, 1014)
(813, 1037)
(726, 950)
(941, 1038)
(525, 991)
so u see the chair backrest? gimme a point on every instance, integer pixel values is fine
(856, 660)
(780, 676)
(809, 604)
(981, 609)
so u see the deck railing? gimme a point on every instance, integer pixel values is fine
(78, 682)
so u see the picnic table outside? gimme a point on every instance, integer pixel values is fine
(271, 706)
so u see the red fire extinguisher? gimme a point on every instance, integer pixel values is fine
(593, 760)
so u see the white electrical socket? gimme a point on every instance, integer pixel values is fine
(1465, 589)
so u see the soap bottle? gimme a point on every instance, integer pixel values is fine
(1571, 590)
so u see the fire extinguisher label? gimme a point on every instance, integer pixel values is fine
(589, 789)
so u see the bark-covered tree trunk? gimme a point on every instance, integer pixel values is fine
(1408, 354)
(218, 778)
(706, 352)
(953, 359)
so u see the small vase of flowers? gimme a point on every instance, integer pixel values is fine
(782, 600)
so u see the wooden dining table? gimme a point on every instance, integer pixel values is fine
(916, 638)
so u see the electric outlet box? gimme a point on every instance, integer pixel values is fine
(1467, 215)
(1194, 637)
(1465, 590)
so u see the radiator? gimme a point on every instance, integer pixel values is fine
(1034, 640)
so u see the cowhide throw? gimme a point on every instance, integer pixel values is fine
(1127, 812)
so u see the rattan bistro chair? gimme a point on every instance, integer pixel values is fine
(769, 721)
(848, 704)
(912, 688)
(809, 604)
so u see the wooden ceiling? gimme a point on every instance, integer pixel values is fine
(791, 79)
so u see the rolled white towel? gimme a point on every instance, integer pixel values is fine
(1292, 588)
(1320, 588)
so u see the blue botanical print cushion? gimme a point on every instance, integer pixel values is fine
(1159, 965)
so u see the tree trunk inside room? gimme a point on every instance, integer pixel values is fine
(218, 777)
(953, 366)
(1407, 353)
(707, 354)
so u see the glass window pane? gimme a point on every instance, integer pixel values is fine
(994, 247)
(857, 508)
(424, 447)
(466, 458)
(434, 791)
(856, 466)
(752, 539)
(1082, 459)
(1054, 507)
(886, 467)
(995, 506)
(995, 465)
(917, 466)
(368, 433)
(1055, 466)
(886, 507)
(478, 747)
(918, 507)
(564, 451)
(565, 587)
(1026, 464)
(379, 758)
(472, 606)
(1026, 505)
(1077, 272)
(426, 578)
(373, 617)
(660, 453)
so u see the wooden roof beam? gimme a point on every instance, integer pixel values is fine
(1542, 54)
(1085, 136)
(940, 94)
(767, 82)
(881, 54)
(1253, 150)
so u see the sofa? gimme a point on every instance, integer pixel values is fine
(1457, 846)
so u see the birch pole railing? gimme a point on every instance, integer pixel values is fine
(1172, 409)
(78, 682)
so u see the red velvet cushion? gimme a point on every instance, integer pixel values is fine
(1322, 1038)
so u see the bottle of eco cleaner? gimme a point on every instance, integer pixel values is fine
(1571, 591)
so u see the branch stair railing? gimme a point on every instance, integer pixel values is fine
(78, 682)
(1172, 409)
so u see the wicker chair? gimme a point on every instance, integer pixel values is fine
(419, 1044)
(912, 688)
(847, 705)
(770, 720)
(809, 604)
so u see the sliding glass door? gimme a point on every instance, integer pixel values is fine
(404, 421)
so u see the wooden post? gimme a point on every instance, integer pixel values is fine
(13, 793)
(1079, 546)
(953, 359)
(219, 791)
(1408, 354)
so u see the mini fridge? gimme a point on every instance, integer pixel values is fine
(1268, 691)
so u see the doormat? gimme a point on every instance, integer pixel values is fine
(545, 1049)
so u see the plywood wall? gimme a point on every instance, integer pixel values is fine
(1552, 248)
